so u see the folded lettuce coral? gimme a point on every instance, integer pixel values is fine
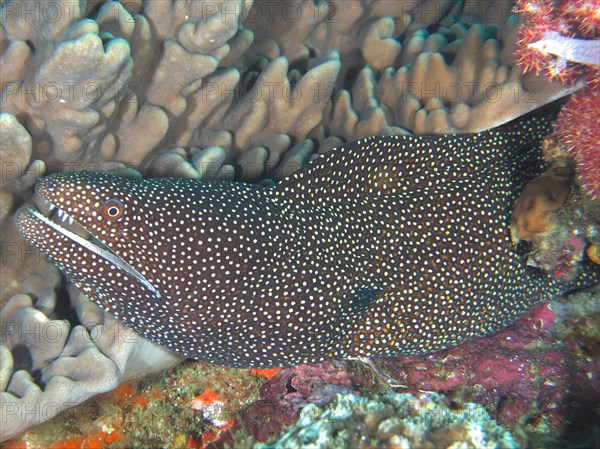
(253, 79)
(213, 89)
(49, 366)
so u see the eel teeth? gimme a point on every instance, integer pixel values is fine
(48, 206)
(61, 214)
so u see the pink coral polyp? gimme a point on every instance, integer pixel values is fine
(538, 8)
(532, 59)
(584, 13)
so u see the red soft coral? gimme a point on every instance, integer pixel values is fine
(532, 59)
(573, 19)
(578, 126)
(561, 70)
(578, 130)
(583, 14)
(540, 8)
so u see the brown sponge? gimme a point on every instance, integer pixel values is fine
(544, 195)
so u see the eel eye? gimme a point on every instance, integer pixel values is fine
(113, 209)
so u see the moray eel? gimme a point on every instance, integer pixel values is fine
(383, 246)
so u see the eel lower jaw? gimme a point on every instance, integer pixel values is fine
(81, 236)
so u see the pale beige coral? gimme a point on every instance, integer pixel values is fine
(479, 89)
(19, 316)
(178, 75)
(71, 364)
(23, 269)
(273, 106)
(261, 126)
(67, 98)
(15, 152)
(15, 149)
(89, 86)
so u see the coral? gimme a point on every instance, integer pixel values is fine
(48, 365)
(191, 77)
(551, 43)
(393, 420)
(578, 321)
(291, 389)
(262, 420)
(526, 377)
(216, 90)
(578, 130)
(267, 373)
(560, 40)
(542, 196)
(534, 370)
(307, 384)
(557, 217)
(522, 375)
(160, 410)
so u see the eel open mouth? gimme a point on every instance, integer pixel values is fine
(48, 215)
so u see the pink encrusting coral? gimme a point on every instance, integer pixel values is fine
(559, 39)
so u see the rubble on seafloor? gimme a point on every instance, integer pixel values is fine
(393, 420)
